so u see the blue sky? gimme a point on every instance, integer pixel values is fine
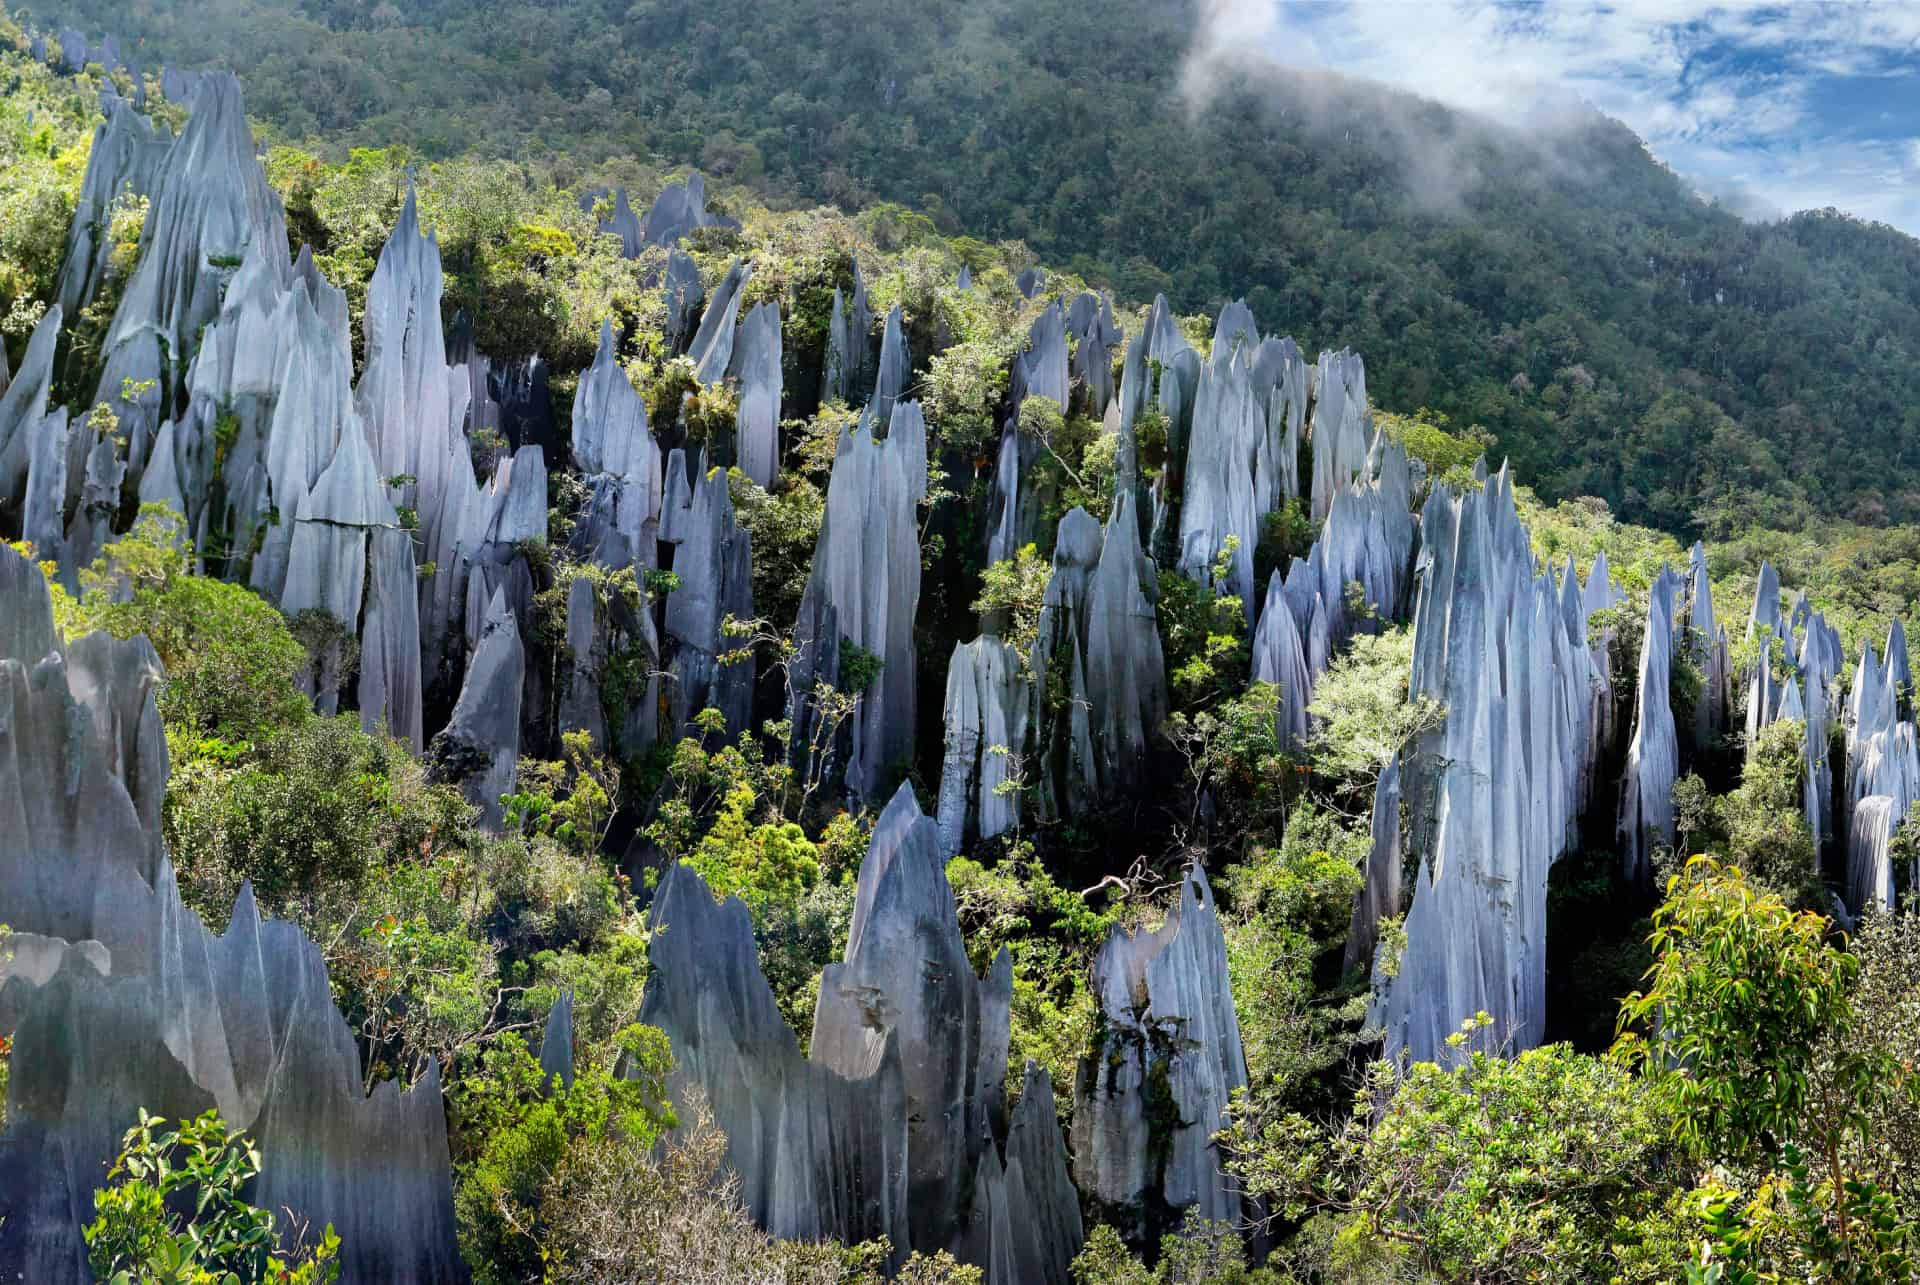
(1775, 108)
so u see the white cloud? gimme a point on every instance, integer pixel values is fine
(1803, 105)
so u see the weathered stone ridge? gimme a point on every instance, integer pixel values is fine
(124, 1000)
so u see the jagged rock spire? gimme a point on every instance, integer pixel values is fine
(986, 728)
(23, 409)
(819, 1155)
(616, 456)
(715, 566)
(120, 998)
(479, 749)
(413, 407)
(864, 590)
(1653, 758)
(905, 979)
(129, 149)
(1169, 1028)
(755, 364)
(1493, 793)
(1342, 425)
(211, 210)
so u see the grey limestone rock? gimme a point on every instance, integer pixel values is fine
(905, 984)
(715, 566)
(1870, 874)
(1707, 646)
(625, 224)
(212, 209)
(849, 337)
(1899, 669)
(1280, 658)
(1653, 757)
(1493, 794)
(893, 374)
(128, 151)
(1064, 763)
(685, 294)
(73, 49)
(23, 409)
(756, 366)
(1342, 425)
(390, 686)
(178, 85)
(413, 407)
(681, 209)
(479, 749)
(1764, 621)
(616, 457)
(327, 560)
(586, 658)
(556, 1042)
(1168, 1017)
(134, 1003)
(1098, 636)
(1380, 894)
(1225, 454)
(818, 1154)
(101, 481)
(712, 347)
(986, 726)
(1125, 670)
(1042, 1209)
(42, 522)
(1040, 370)
(866, 580)
(1097, 334)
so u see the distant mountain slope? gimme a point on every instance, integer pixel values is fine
(1622, 337)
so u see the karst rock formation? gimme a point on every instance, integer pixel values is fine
(395, 497)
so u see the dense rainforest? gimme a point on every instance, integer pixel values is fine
(498, 671)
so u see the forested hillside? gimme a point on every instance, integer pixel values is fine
(1620, 336)
(564, 722)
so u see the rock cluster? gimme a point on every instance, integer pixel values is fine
(895, 1122)
(118, 998)
(1494, 793)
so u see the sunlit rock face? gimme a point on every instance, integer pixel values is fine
(213, 224)
(615, 455)
(1342, 425)
(1099, 674)
(755, 368)
(121, 999)
(1493, 794)
(985, 716)
(1653, 757)
(129, 149)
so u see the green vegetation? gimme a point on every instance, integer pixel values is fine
(141, 1235)
(1755, 1120)
(1728, 1136)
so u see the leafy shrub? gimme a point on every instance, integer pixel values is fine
(140, 1234)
